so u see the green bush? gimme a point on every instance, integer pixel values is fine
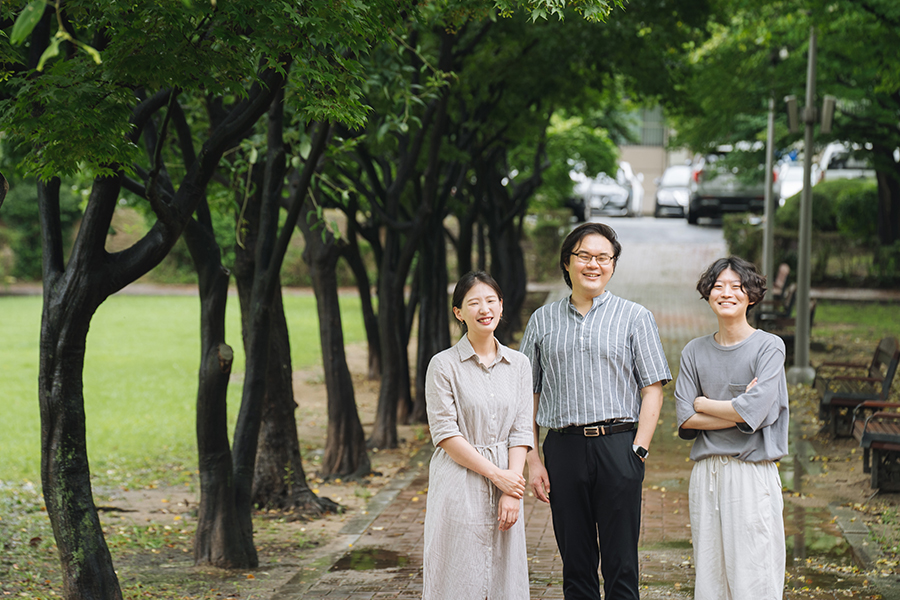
(544, 239)
(843, 235)
(825, 199)
(857, 213)
(885, 266)
(20, 214)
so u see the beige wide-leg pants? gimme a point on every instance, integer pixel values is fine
(737, 530)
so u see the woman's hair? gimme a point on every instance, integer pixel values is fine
(466, 283)
(573, 240)
(753, 284)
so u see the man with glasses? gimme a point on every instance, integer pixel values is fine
(598, 368)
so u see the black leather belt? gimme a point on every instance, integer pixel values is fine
(597, 429)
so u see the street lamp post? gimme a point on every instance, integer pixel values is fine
(802, 372)
(769, 202)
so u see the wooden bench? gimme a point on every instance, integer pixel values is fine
(844, 386)
(879, 436)
(778, 315)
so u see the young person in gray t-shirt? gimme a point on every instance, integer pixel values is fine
(731, 399)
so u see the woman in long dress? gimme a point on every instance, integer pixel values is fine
(479, 400)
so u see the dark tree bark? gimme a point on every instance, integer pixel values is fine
(402, 240)
(216, 541)
(269, 251)
(345, 445)
(434, 327)
(72, 293)
(352, 255)
(465, 241)
(280, 479)
(888, 197)
(504, 213)
(65, 475)
(4, 188)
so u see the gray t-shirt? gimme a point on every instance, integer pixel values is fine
(722, 373)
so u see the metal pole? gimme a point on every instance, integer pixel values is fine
(801, 372)
(769, 214)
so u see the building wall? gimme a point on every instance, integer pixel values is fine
(651, 161)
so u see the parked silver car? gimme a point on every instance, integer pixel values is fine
(719, 189)
(673, 191)
(606, 196)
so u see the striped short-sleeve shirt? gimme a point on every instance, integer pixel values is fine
(591, 368)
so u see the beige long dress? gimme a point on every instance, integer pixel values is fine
(466, 556)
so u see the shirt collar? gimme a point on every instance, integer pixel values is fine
(466, 351)
(597, 301)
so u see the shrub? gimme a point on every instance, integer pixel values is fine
(825, 197)
(544, 239)
(843, 235)
(857, 213)
(20, 214)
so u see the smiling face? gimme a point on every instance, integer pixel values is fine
(589, 280)
(727, 297)
(480, 309)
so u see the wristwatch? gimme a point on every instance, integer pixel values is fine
(640, 451)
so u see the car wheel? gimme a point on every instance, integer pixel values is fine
(691, 216)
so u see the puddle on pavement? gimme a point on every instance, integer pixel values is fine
(368, 559)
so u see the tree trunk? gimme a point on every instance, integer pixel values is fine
(391, 326)
(266, 430)
(434, 334)
(888, 201)
(354, 259)
(508, 269)
(345, 446)
(72, 293)
(69, 305)
(216, 541)
(280, 479)
(465, 241)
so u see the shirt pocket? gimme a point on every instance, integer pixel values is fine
(736, 389)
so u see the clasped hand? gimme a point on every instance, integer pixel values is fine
(507, 512)
(510, 483)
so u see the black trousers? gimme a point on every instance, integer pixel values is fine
(595, 498)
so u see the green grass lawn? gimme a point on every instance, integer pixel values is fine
(140, 380)
(860, 319)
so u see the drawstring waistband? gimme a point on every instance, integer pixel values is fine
(714, 473)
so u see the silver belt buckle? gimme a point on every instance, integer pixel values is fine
(592, 431)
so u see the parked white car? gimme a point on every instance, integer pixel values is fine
(841, 160)
(634, 182)
(790, 178)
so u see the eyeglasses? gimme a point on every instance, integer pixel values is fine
(585, 258)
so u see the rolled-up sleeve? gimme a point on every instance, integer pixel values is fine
(440, 403)
(763, 404)
(687, 388)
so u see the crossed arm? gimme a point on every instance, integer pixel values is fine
(714, 414)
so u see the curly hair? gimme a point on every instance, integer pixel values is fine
(753, 284)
